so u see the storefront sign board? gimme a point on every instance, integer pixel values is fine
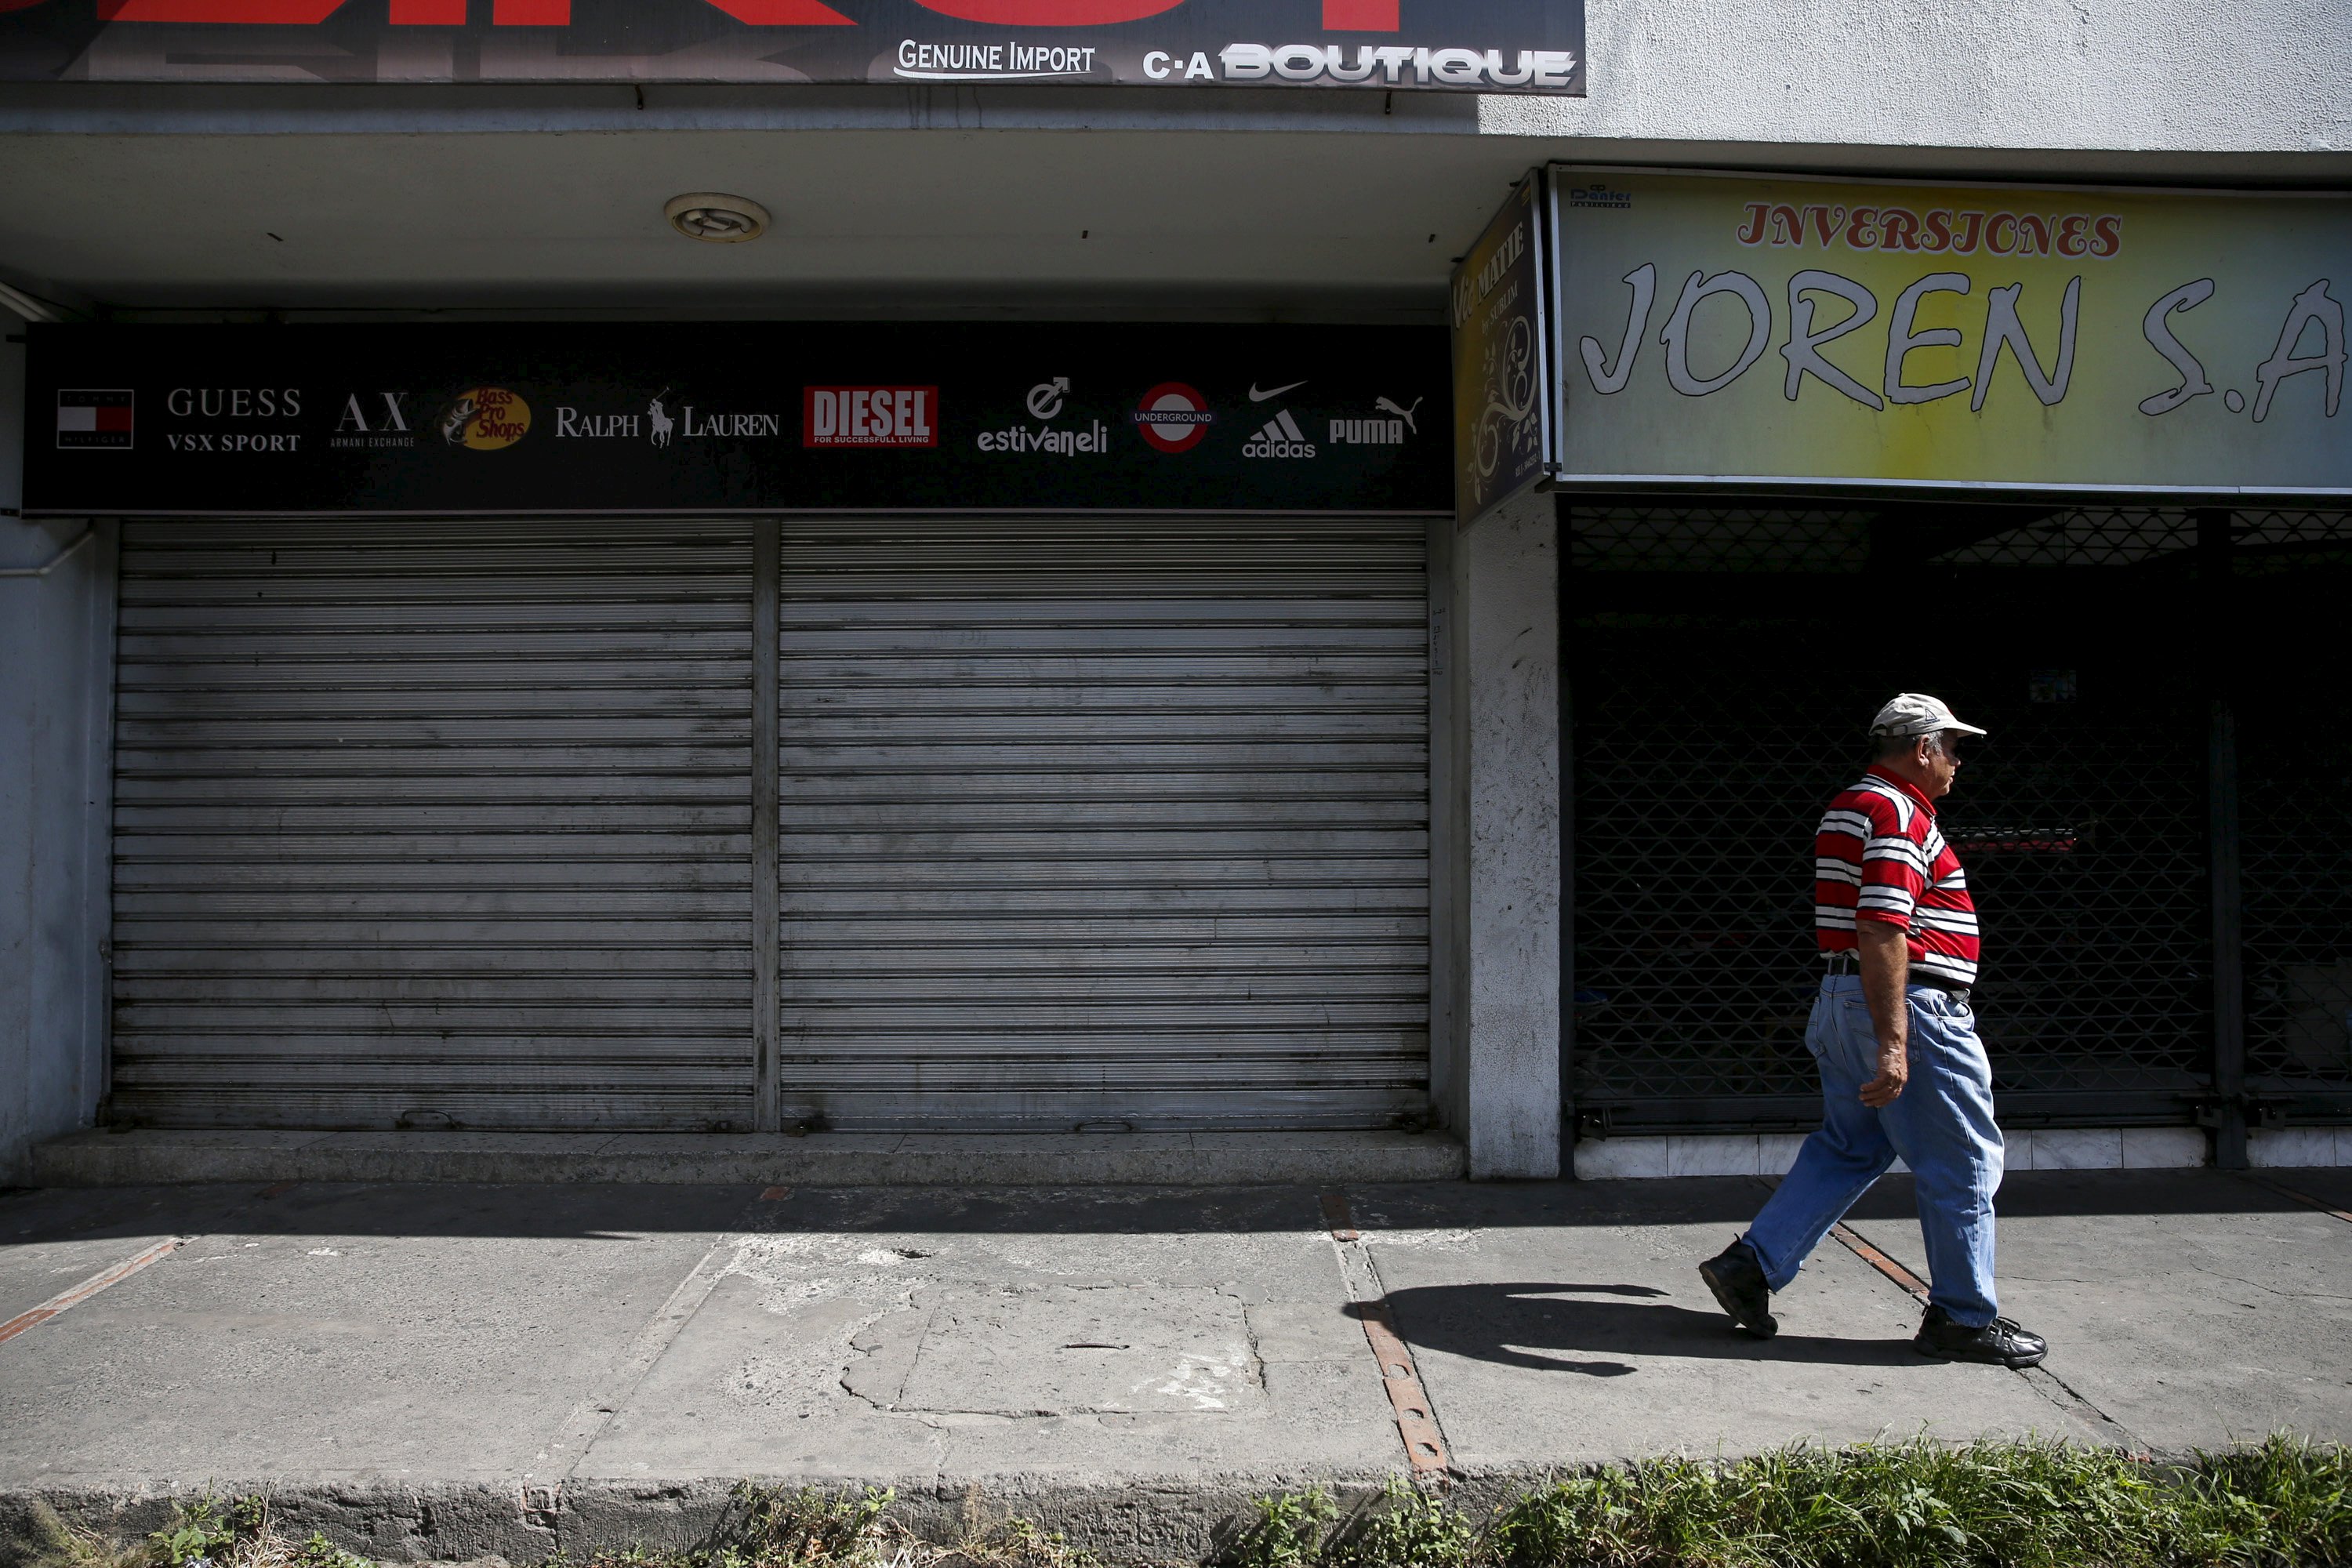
(1502, 436)
(1745, 329)
(524, 419)
(1463, 46)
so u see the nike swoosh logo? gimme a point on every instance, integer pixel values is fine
(1258, 396)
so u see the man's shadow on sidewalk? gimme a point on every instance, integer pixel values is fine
(1557, 1327)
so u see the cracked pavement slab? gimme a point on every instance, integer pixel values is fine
(2193, 1307)
(1110, 1335)
(1061, 1350)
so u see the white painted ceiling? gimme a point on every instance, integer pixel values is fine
(1030, 221)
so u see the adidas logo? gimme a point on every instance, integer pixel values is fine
(1280, 437)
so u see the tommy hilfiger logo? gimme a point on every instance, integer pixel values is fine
(95, 419)
(1279, 437)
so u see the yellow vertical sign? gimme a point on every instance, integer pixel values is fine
(1501, 381)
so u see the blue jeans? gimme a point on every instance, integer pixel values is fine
(1941, 1124)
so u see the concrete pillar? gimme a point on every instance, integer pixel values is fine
(56, 644)
(1505, 1044)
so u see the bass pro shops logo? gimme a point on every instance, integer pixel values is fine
(485, 418)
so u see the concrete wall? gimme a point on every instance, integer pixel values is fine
(1506, 634)
(56, 673)
(2126, 75)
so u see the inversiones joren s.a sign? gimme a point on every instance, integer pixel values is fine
(1501, 410)
(1463, 46)
(1743, 330)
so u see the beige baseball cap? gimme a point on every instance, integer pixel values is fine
(1916, 713)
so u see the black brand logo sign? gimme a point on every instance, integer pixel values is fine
(1044, 405)
(1173, 417)
(658, 424)
(695, 419)
(869, 417)
(93, 420)
(373, 419)
(1388, 432)
(1279, 437)
(244, 406)
(484, 420)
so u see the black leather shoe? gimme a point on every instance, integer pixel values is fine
(1738, 1281)
(1999, 1343)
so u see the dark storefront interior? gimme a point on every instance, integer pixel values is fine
(2163, 689)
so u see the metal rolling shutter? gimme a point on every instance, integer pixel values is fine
(1105, 822)
(434, 823)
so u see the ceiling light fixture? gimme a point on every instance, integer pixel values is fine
(721, 220)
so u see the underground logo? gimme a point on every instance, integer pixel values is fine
(485, 418)
(1173, 417)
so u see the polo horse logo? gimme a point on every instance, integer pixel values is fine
(662, 424)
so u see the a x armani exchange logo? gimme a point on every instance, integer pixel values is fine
(373, 419)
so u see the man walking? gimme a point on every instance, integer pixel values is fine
(1903, 1072)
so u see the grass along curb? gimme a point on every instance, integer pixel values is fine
(2283, 1504)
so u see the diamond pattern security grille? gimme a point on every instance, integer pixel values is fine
(2292, 570)
(1715, 539)
(1711, 718)
(2081, 537)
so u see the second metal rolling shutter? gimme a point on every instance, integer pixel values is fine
(436, 822)
(1094, 822)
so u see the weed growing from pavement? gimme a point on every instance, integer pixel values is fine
(2284, 1503)
(768, 1527)
(206, 1532)
(1288, 1531)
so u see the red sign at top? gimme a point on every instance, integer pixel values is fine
(1339, 15)
(1470, 45)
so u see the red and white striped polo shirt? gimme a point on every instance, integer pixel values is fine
(1879, 856)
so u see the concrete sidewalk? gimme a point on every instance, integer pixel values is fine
(445, 1371)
